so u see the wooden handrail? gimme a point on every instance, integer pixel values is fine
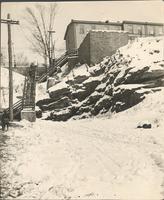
(59, 62)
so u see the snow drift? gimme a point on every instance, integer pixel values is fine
(18, 83)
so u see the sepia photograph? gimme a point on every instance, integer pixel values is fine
(82, 100)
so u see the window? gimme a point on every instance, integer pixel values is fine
(139, 30)
(129, 28)
(81, 29)
(159, 30)
(150, 30)
(93, 27)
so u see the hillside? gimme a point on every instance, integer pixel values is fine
(116, 84)
(18, 83)
(108, 155)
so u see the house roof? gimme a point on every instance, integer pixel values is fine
(109, 23)
(143, 23)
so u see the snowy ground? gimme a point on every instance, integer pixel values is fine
(106, 158)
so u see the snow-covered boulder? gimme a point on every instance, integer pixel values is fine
(93, 98)
(59, 104)
(51, 82)
(92, 83)
(59, 90)
(80, 94)
(126, 96)
(82, 110)
(62, 115)
(97, 70)
(103, 104)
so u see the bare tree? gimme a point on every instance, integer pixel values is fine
(40, 21)
(3, 56)
(21, 60)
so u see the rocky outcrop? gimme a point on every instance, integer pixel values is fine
(116, 84)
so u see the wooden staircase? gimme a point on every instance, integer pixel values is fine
(58, 63)
(28, 99)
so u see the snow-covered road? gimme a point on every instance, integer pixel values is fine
(87, 159)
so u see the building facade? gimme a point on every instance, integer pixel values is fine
(99, 44)
(143, 29)
(77, 30)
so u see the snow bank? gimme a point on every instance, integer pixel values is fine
(18, 84)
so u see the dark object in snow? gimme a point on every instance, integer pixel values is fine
(144, 125)
(38, 113)
(5, 120)
(156, 51)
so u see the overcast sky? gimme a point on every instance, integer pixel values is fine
(101, 11)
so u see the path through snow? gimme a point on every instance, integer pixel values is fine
(95, 158)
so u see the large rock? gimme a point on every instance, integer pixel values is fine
(51, 82)
(59, 90)
(81, 94)
(42, 102)
(101, 87)
(103, 104)
(120, 78)
(82, 110)
(77, 80)
(126, 96)
(93, 98)
(97, 70)
(61, 103)
(135, 76)
(92, 83)
(63, 115)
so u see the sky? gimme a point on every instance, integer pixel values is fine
(99, 11)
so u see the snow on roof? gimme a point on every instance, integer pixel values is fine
(109, 31)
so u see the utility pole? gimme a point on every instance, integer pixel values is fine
(10, 71)
(9, 22)
(0, 62)
(50, 47)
